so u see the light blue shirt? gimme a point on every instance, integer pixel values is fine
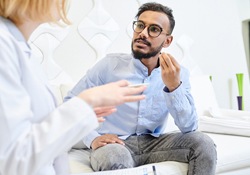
(148, 116)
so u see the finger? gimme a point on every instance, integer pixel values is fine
(168, 61)
(100, 119)
(173, 60)
(109, 137)
(108, 140)
(115, 140)
(99, 144)
(135, 90)
(134, 98)
(120, 142)
(103, 108)
(122, 83)
(106, 113)
(162, 63)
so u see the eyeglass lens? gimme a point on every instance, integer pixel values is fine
(153, 30)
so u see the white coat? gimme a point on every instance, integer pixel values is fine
(33, 132)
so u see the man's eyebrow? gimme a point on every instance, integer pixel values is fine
(150, 24)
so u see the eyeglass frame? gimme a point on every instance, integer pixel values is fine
(161, 29)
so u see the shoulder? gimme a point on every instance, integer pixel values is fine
(115, 59)
(6, 39)
(118, 56)
(11, 50)
(8, 44)
(9, 55)
(184, 71)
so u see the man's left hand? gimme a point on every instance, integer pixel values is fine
(170, 71)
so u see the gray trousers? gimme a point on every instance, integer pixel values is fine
(194, 148)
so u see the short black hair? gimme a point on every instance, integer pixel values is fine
(153, 6)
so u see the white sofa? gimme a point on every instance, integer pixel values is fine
(229, 129)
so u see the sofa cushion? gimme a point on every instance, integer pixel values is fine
(65, 88)
(224, 126)
(233, 155)
(233, 152)
(203, 94)
(79, 163)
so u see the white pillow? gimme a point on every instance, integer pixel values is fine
(211, 117)
(225, 126)
(203, 94)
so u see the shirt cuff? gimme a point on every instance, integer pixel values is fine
(174, 98)
(167, 90)
(89, 139)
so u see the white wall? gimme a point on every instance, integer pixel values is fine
(213, 25)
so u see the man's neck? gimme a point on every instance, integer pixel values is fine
(151, 63)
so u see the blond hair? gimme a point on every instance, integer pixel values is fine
(36, 10)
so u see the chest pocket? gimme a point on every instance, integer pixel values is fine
(157, 107)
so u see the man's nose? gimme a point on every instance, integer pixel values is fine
(144, 33)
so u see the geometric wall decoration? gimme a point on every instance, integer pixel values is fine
(44, 42)
(99, 29)
(185, 43)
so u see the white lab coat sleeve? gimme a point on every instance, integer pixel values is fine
(41, 143)
(33, 133)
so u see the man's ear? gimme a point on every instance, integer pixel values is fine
(168, 41)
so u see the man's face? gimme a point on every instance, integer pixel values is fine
(145, 46)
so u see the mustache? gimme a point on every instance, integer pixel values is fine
(143, 40)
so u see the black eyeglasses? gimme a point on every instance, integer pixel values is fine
(153, 29)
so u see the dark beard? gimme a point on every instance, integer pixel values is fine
(139, 55)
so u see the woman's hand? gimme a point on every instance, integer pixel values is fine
(112, 94)
(104, 111)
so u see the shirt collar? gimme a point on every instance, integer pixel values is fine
(138, 64)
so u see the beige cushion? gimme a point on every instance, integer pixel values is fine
(65, 88)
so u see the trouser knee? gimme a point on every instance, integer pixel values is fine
(110, 157)
(206, 147)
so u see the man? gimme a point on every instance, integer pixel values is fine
(133, 135)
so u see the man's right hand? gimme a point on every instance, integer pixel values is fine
(104, 140)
